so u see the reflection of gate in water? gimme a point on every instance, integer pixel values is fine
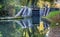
(25, 23)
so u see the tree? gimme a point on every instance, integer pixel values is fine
(34, 2)
(51, 2)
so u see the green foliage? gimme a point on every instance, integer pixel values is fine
(0, 6)
(1, 34)
(53, 25)
(49, 0)
(23, 2)
(52, 14)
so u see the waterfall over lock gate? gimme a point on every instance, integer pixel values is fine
(24, 12)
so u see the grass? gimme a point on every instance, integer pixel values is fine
(52, 14)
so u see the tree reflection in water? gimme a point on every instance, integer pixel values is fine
(7, 28)
(14, 28)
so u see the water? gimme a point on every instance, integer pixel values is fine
(15, 28)
(25, 11)
(26, 27)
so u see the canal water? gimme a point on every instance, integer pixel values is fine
(18, 28)
(27, 27)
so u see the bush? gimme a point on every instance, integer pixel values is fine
(55, 17)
